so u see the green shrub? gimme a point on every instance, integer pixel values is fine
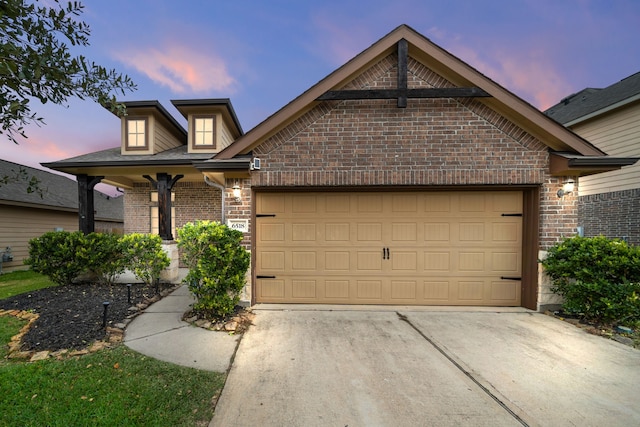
(104, 255)
(598, 278)
(54, 255)
(217, 265)
(144, 256)
(63, 256)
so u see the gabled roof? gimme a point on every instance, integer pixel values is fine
(156, 108)
(183, 105)
(557, 137)
(58, 193)
(591, 101)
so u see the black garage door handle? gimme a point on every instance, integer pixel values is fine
(265, 277)
(510, 278)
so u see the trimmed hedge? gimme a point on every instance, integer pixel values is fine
(64, 256)
(217, 265)
(599, 278)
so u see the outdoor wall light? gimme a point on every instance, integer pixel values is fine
(567, 188)
(237, 192)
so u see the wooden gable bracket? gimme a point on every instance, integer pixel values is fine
(402, 93)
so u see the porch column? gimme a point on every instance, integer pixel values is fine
(163, 186)
(86, 206)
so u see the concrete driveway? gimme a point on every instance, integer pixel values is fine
(327, 366)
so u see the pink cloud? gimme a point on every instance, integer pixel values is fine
(181, 68)
(339, 43)
(527, 72)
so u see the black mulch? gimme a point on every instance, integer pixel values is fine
(71, 316)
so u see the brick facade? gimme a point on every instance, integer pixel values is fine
(193, 201)
(620, 208)
(431, 143)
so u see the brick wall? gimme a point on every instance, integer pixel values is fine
(432, 142)
(193, 201)
(613, 215)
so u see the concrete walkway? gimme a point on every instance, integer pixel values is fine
(160, 333)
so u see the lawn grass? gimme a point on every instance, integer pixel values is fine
(19, 282)
(114, 387)
(9, 326)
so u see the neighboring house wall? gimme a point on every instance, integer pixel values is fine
(610, 202)
(18, 225)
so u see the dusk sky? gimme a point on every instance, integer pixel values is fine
(263, 54)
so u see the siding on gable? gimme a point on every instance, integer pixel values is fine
(224, 134)
(617, 134)
(163, 139)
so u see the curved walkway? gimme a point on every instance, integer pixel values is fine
(160, 333)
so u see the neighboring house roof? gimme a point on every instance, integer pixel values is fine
(592, 101)
(57, 193)
(557, 137)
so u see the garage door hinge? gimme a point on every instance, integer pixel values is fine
(513, 214)
(265, 215)
(265, 277)
(510, 278)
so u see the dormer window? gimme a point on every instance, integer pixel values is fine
(204, 132)
(137, 134)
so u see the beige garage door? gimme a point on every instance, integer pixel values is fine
(427, 248)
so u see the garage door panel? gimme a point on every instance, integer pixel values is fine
(437, 262)
(270, 289)
(337, 261)
(437, 232)
(337, 289)
(404, 261)
(304, 204)
(440, 248)
(304, 289)
(471, 232)
(505, 262)
(369, 290)
(405, 290)
(337, 232)
(472, 262)
(369, 261)
(471, 290)
(303, 232)
(506, 290)
(369, 232)
(369, 203)
(437, 202)
(272, 232)
(337, 204)
(436, 291)
(304, 261)
(271, 261)
(404, 232)
(404, 203)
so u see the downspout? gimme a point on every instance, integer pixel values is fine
(220, 187)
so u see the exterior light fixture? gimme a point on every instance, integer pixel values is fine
(567, 188)
(237, 192)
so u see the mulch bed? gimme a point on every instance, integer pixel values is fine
(71, 316)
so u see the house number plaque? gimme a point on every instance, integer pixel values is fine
(238, 224)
